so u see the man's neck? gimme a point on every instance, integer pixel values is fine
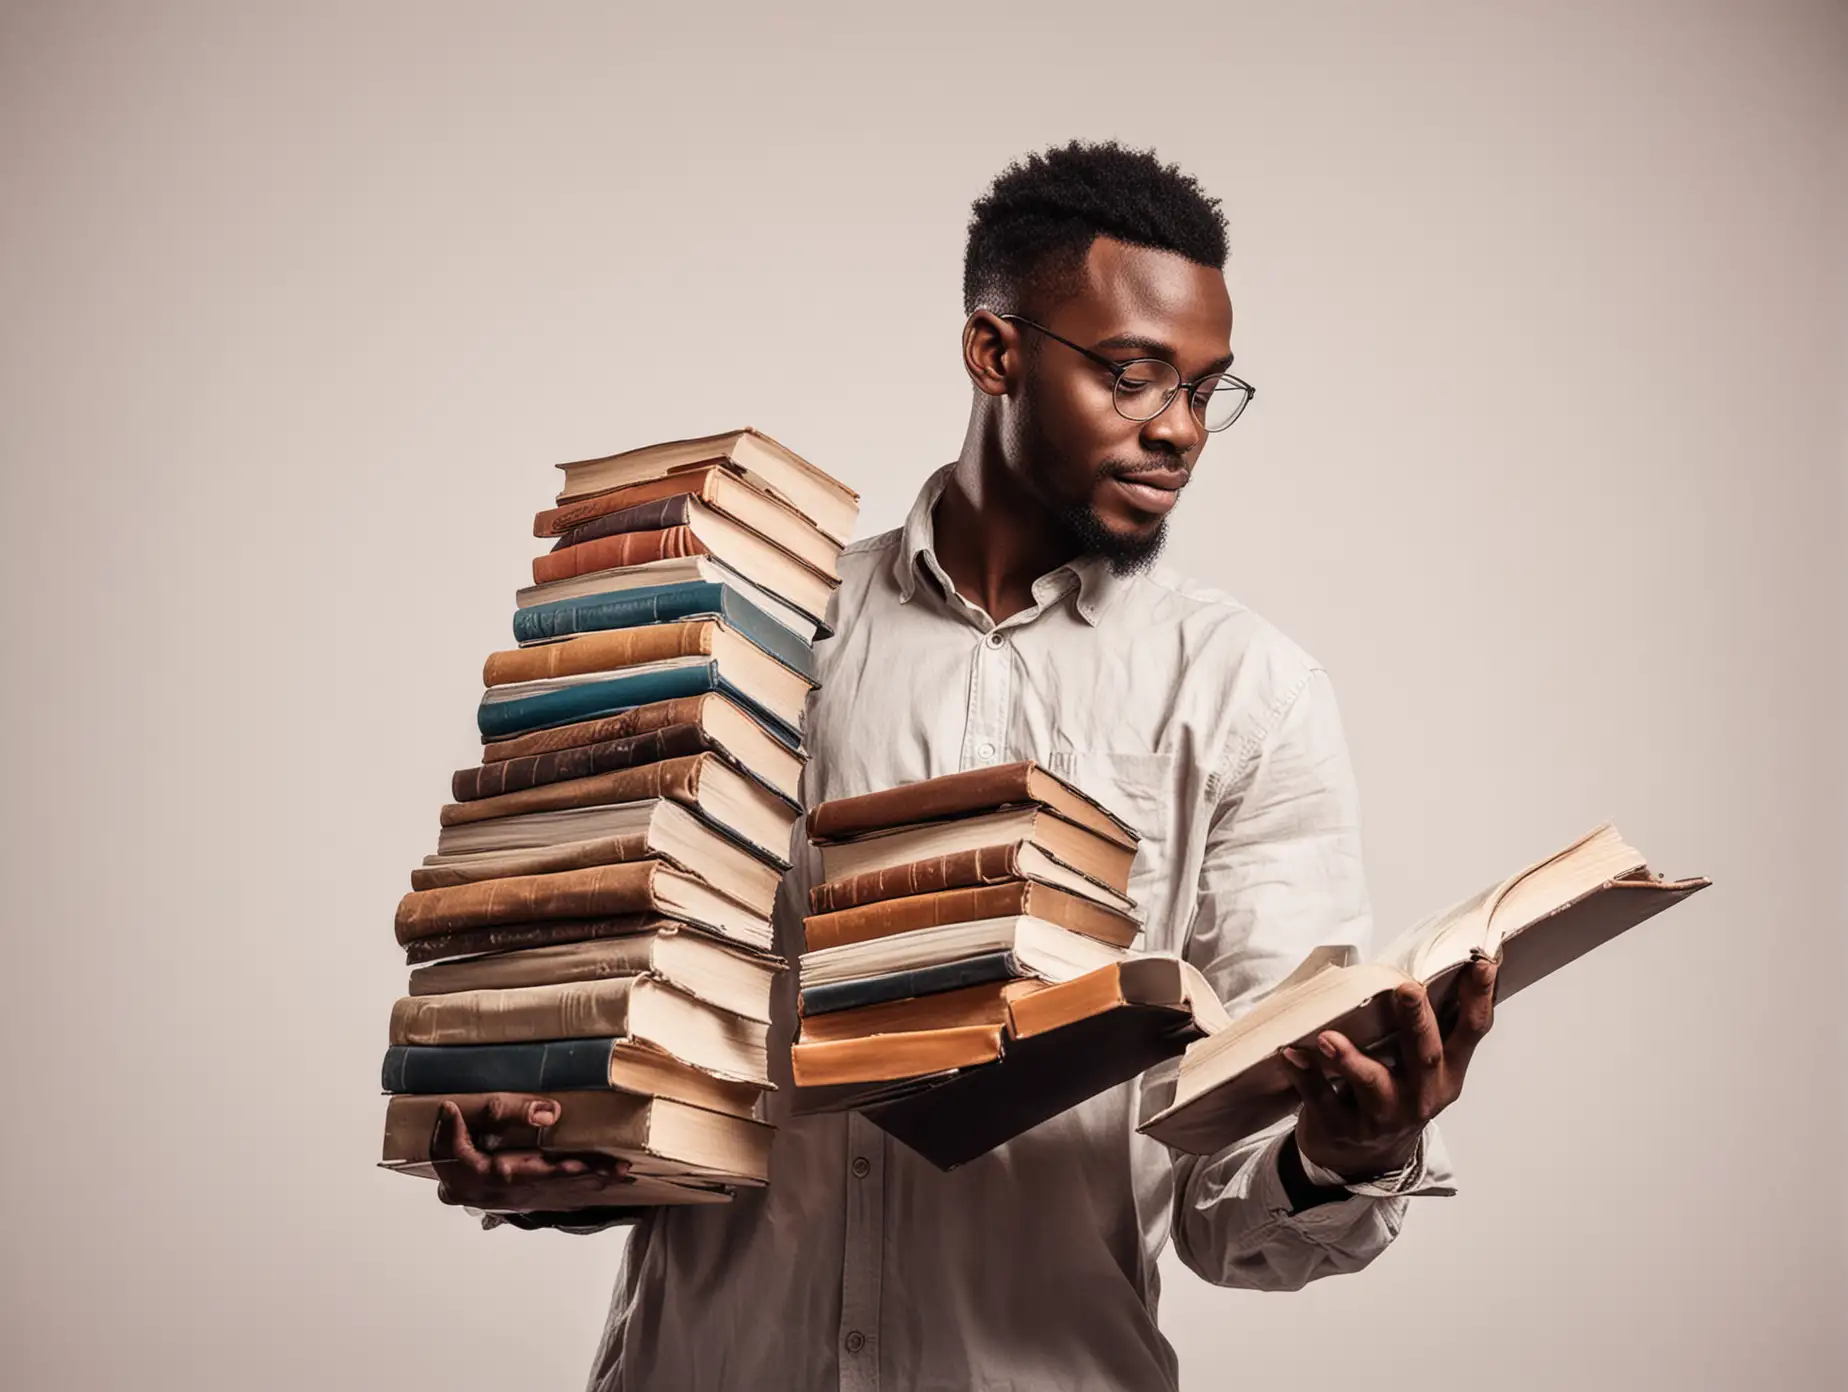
(992, 537)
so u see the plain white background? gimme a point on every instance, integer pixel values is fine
(1546, 308)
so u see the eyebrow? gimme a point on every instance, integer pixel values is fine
(1155, 348)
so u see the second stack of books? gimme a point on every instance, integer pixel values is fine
(595, 923)
(968, 970)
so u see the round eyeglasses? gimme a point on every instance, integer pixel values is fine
(1144, 387)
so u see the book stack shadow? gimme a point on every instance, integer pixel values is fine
(594, 925)
(969, 971)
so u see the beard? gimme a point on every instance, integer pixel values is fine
(1126, 555)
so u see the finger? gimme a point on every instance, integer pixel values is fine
(1475, 1016)
(1421, 1050)
(1306, 1078)
(452, 1144)
(1375, 1093)
(521, 1166)
(505, 1111)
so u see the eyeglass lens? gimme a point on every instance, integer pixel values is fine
(1146, 386)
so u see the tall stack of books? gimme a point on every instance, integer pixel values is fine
(968, 971)
(594, 925)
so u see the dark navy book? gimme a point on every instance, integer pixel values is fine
(915, 981)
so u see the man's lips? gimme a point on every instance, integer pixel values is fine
(1151, 492)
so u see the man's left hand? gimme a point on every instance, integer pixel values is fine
(1360, 1118)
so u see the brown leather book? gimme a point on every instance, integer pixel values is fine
(725, 725)
(959, 795)
(986, 865)
(511, 775)
(1097, 857)
(609, 649)
(704, 782)
(740, 982)
(653, 516)
(713, 485)
(685, 710)
(671, 778)
(510, 937)
(624, 549)
(985, 1004)
(1007, 900)
(601, 891)
(539, 860)
(638, 1008)
(888, 1056)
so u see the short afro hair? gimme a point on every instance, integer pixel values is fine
(1031, 230)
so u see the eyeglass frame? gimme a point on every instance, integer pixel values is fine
(1117, 369)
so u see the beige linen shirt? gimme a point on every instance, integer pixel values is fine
(861, 1266)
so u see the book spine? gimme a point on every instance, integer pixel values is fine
(926, 801)
(885, 917)
(624, 691)
(560, 618)
(630, 548)
(653, 516)
(917, 981)
(610, 650)
(685, 710)
(593, 892)
(576, 1010)
(509, 937)
(540, 860)
(984, 865)
(549, 1066)
(677, 779)
(511, 775)
(556, 520)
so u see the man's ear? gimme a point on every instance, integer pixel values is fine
(991, 352)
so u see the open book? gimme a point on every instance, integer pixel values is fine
(1232, 1084)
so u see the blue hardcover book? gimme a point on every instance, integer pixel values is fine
(505, 717)
(690, 599)
(900, 985)
(542, 1067)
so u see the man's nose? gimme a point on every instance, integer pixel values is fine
(1175, 427)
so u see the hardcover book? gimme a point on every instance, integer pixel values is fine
(624, 509)
(1536, 921)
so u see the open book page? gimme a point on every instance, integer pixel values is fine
(1485, 920)
(1208, 1010)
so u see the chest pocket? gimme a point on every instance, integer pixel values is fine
(1140, 789)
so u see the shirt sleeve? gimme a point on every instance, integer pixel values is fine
(1282, 874)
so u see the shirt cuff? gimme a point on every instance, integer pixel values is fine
(1426, 1173)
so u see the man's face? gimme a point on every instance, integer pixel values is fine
(1112, 481)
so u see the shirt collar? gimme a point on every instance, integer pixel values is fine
(1097, 585)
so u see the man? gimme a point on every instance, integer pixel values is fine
(1017, 615)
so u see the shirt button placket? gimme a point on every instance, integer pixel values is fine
(988, 710)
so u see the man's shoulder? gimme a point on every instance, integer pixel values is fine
(1216, 624)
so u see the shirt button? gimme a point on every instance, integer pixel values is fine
(996, 640)
(855, 1341)
(985, 752)
(861, 1167)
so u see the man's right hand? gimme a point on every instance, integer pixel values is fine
(481, 1170)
